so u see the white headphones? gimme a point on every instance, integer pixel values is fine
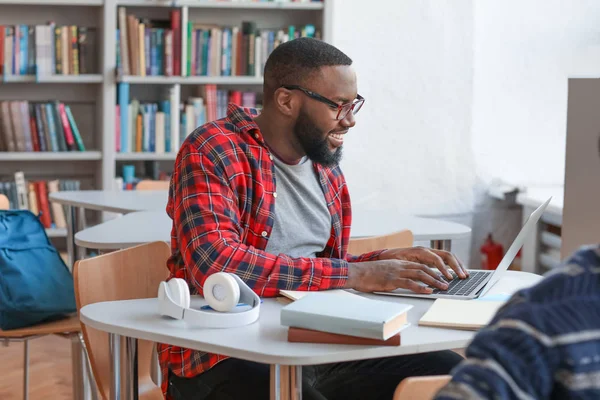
(222, 290)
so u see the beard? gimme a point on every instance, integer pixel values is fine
(314, 145)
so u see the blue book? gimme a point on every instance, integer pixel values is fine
(52, 127)
(123, 96)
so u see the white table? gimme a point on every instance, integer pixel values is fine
(266, 340)
(149, 226)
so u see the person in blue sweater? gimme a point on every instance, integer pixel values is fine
(544, 343)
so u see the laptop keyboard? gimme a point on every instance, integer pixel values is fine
(463, 287)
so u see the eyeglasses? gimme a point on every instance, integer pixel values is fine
(342, 109)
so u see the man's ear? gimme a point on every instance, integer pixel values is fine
(286, 102)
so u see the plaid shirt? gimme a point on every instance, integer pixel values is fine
(221, 200)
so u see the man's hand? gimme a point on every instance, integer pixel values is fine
(439, 259)
(388, 275)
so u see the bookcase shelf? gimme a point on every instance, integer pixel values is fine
(87, 78)
(248, 5)
(145, 156)
(51, 156)
(93, 98)
(192, 80)
(221, 4)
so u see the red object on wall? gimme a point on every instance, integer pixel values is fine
(491, 253)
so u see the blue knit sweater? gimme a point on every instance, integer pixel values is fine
(543, 344)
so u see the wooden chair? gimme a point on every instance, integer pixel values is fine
(420, 387)
(148, 184)
(67, 327)
(400, 239)
(132, 273)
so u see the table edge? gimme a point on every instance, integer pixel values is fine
(358, 352)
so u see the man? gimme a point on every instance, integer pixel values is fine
(262, 196)
(543, 344)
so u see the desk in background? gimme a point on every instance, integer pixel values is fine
(104, 200)
(541, 250)
(148, 226)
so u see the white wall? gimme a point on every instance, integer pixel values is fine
(414, 64)
(458, 93)
(410, 150)
(524, 52)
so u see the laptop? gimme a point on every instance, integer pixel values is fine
(479, 281)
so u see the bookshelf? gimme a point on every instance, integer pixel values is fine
(93, 96)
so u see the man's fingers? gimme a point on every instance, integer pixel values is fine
(453, 262)
(413, 286)
(426, 275)
(428, 257)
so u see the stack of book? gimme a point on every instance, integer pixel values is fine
(146, 127)
(152, 47)
(27, 126)
(33, 196)
(47, 50)
(341, 317)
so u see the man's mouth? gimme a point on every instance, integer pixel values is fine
(336, 139)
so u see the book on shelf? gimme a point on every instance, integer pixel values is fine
(48, 49)
(148, 47)
(33, 196)
(38, 126)
(147, 127)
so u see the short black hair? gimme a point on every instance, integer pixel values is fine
(293, 62)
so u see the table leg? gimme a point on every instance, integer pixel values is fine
(441, 245)
(114, 343)
(286, 382)
(71, 229)
(82, 382)
(131, 371)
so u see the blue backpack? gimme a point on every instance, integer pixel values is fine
(35, 283)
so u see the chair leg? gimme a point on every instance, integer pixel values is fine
(88, 369)
(26, 369)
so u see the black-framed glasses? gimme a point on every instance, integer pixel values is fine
(342, 109)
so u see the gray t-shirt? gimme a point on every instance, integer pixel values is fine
(302, 223)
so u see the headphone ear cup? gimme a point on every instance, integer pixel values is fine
(185, 293)
(178, 292)
(221, 291)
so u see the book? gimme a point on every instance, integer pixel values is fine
(300, 335)
(346, 314)
(460, 314)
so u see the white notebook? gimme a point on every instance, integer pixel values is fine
(460, 314)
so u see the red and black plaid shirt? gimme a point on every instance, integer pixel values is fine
(221, 201)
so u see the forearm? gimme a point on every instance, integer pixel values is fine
(265, 273)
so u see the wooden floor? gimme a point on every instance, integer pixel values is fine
(49, 369)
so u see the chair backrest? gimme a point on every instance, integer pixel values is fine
(4, 203)
(420, 387)
(132, 273)
(152, 185)
(398, 239)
